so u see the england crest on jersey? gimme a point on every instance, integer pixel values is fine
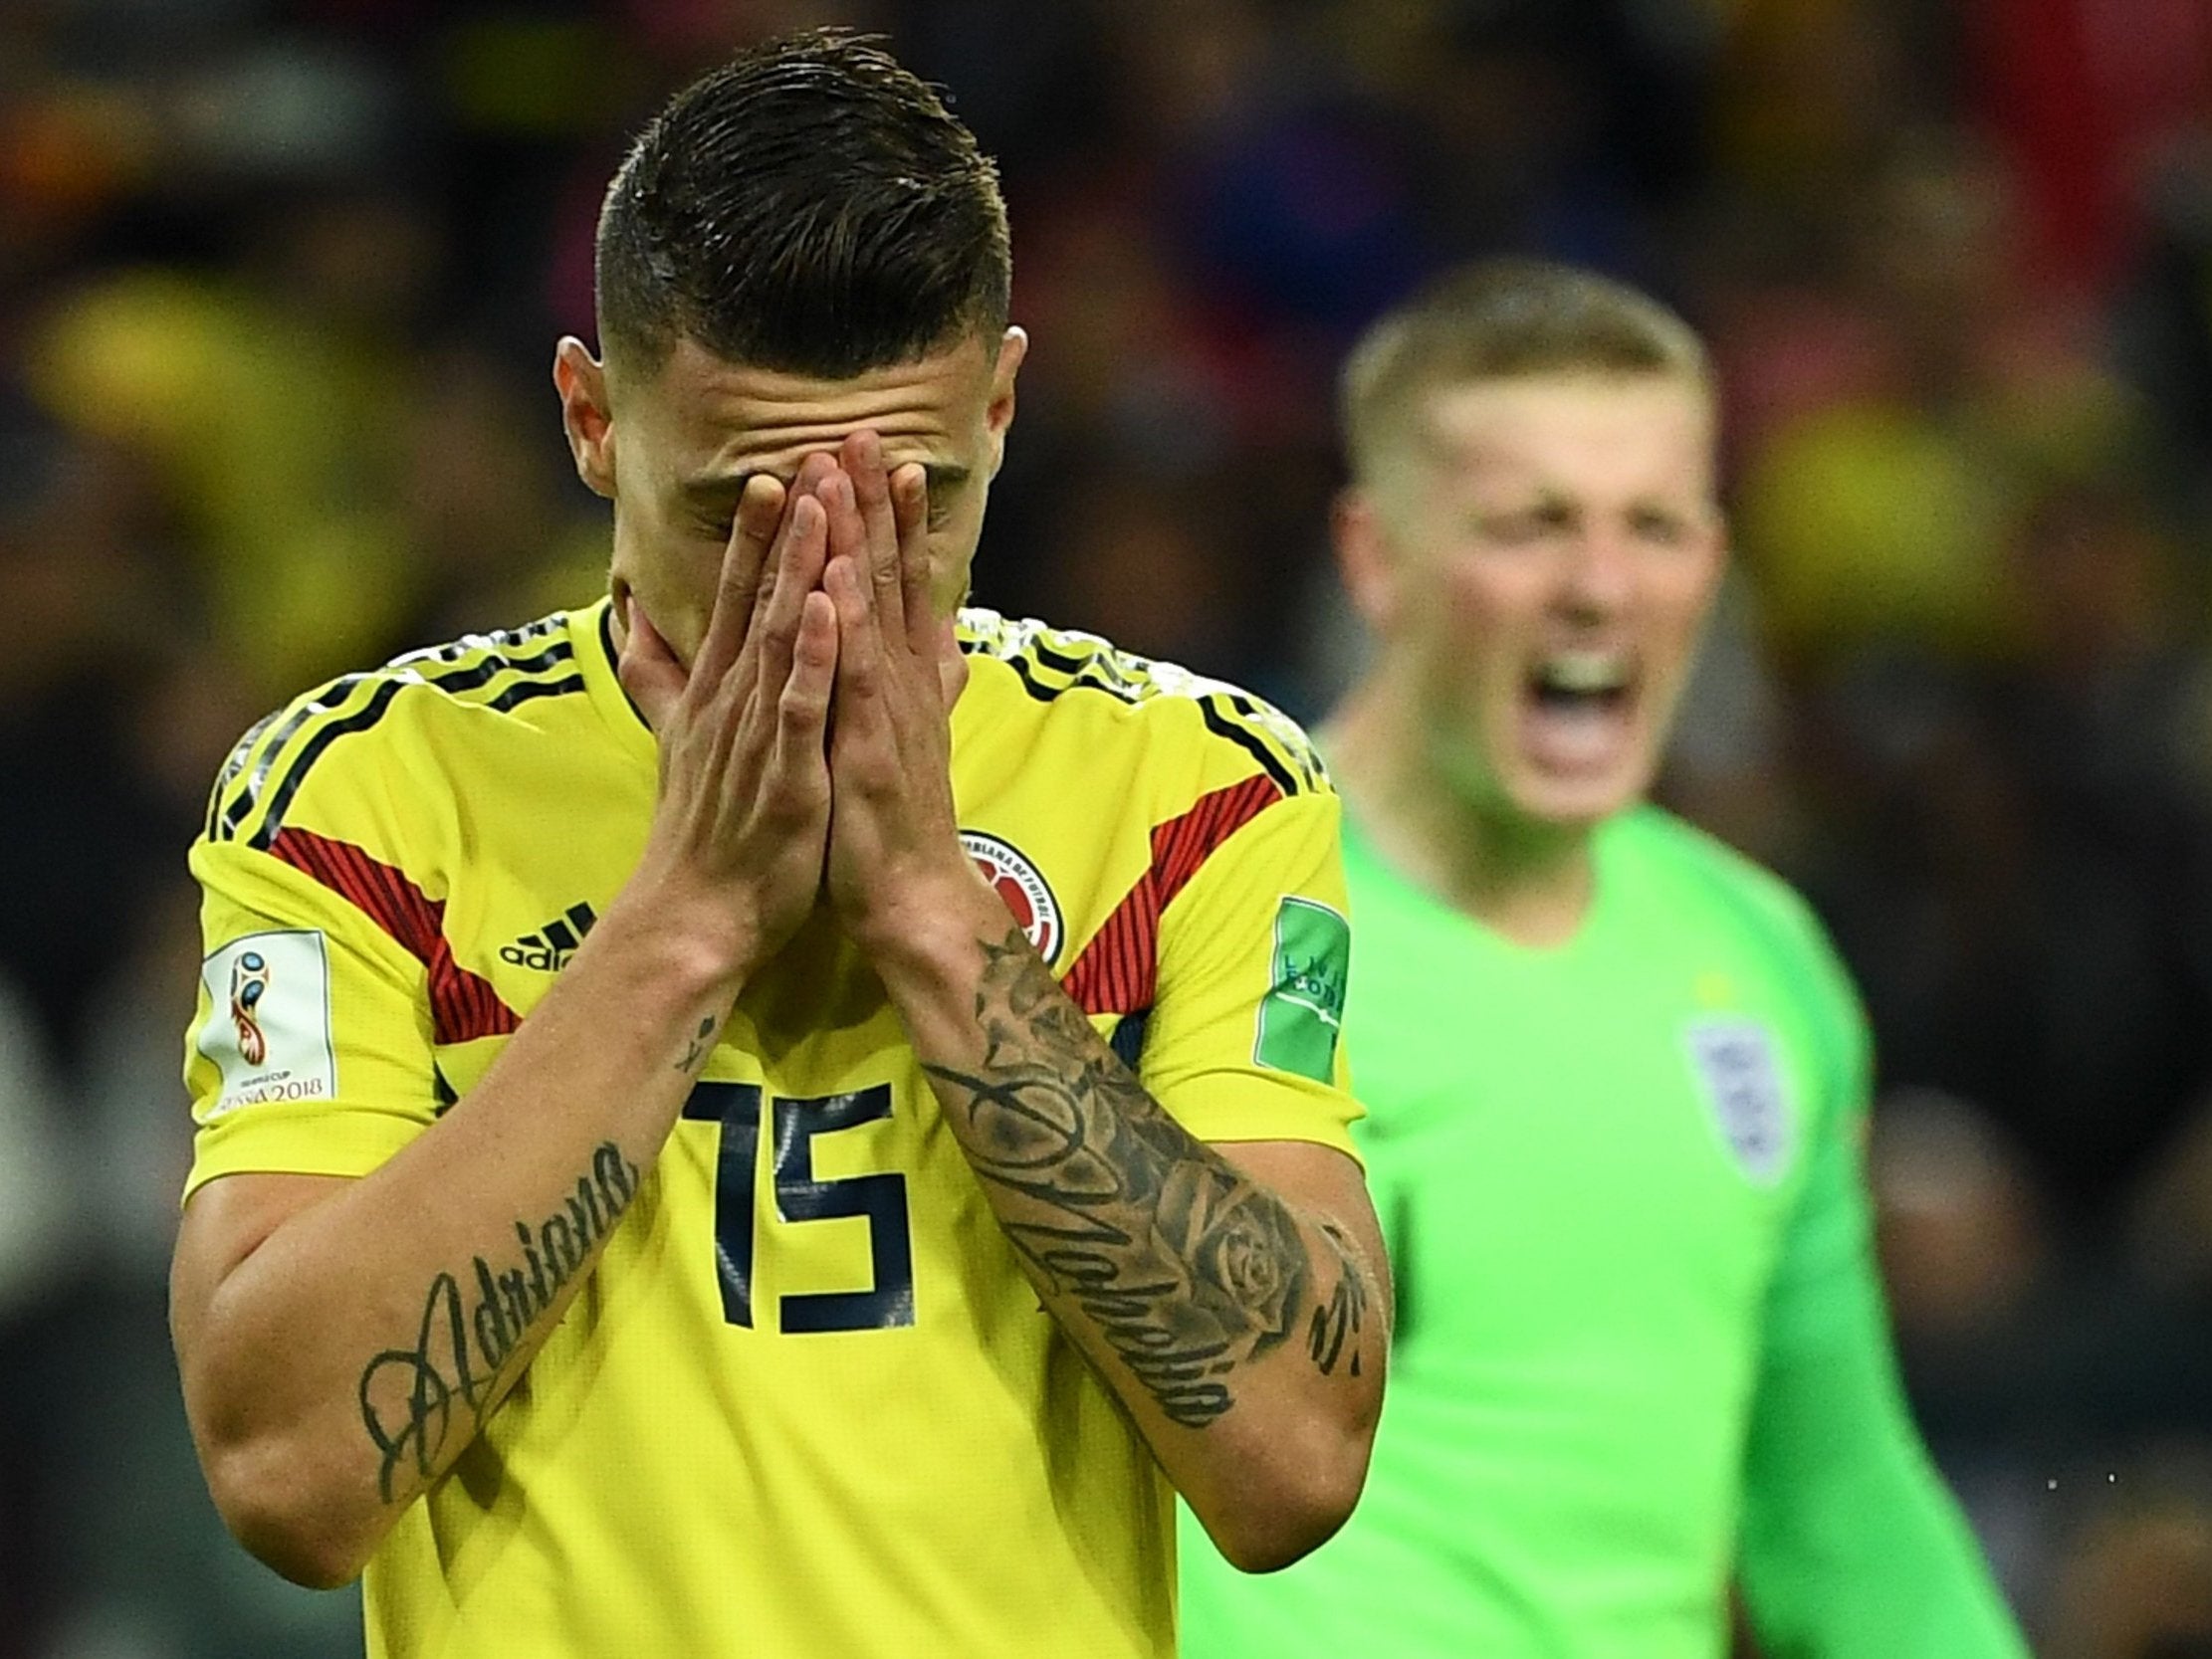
(1741, 1077)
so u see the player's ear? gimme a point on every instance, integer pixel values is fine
(999, 413)
(1363, 559)
(585, 416)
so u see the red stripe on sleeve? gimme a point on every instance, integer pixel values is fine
(463, 1004)
(1182, 843)
(1119, 970)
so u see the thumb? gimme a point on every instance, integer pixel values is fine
(648, 667)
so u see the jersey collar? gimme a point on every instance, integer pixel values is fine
(592, 634)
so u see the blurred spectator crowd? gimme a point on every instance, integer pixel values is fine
(279, 282)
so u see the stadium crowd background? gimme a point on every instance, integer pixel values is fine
(279, 280)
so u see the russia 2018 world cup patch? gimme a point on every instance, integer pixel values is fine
(1303, 1010)
(268, 1027)
(1742, 1079)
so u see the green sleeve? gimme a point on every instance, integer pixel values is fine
(1852, 1548)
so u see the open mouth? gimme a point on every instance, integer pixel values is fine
(1567, 680)
(1579, 708)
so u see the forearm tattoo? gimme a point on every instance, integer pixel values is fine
(700, 1044)
(412, 1399)
(1337, 1322)
(1187, 1267)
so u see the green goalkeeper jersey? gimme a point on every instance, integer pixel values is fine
(1641, 1354)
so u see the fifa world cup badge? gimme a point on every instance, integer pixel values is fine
(248, 984)
(268, 1027)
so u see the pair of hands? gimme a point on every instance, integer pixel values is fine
(807, 746)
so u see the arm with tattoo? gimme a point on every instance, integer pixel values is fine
(423, 1402)
(342, 1341)
(1243, 1340)
(1185, 1267)
(1240, 1332)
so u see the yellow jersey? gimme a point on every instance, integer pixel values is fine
(807, 1405)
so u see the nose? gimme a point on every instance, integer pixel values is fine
(1600, 576)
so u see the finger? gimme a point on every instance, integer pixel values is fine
(802, 709)
(775, 583)
(849, 531)
(910, 508)
(860, 662)
(862, 458)
(798, 572)
(759, 517)
(815, 471)
(648, 666)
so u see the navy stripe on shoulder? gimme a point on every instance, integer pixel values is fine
(1221, 726)
(368, 716)
(526, 691)
(288, 786)
(461, 669)
(234, 764)
(1049, 664)
(483, 673)
(333, 697)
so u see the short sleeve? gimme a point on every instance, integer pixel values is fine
(1242, 1041)
(310, 1049)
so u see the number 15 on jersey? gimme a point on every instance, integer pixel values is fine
(799, 1198)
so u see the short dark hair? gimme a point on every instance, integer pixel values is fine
(810, 207)
(1503, 319)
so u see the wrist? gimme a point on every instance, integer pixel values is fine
(698, 947)
(930, 926)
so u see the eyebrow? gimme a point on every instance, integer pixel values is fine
(725, 490)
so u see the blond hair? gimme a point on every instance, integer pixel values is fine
(1501, 319)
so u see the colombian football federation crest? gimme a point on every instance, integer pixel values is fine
(1742, 1080)
(1021, 886)
(268, 1025)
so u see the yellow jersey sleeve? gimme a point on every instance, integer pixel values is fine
(310, 1051)
(1242, 1041)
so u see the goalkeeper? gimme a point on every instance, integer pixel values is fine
(1616, 1078)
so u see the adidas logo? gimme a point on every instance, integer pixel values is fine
(549, 948)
